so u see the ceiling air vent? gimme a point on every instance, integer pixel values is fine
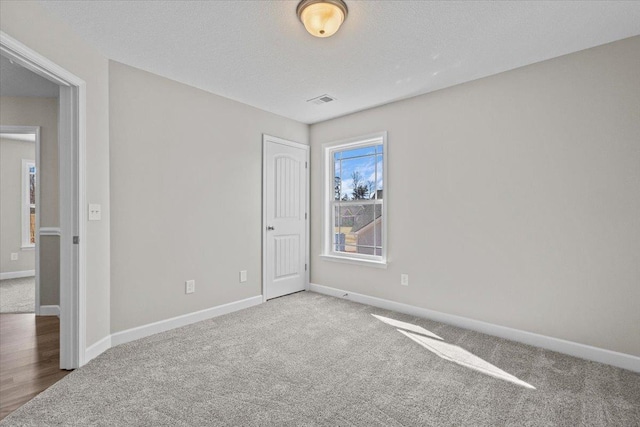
(322, 99)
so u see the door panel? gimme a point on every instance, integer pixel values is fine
(285, 215)
(287, 197)
(287, 256)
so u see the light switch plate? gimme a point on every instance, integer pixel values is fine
(189, 286)
(14, 256)
(243, 276)
(404, 279)
(95, 212)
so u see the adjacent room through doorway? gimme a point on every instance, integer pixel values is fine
(18, 183)
(29, 235)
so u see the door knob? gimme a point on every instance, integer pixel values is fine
(270, 227)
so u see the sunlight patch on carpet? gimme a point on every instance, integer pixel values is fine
(464, 358)
(407, 326)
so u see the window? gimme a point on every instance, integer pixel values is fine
(355, 177)
(28, 204)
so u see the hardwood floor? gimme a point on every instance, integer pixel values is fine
(29, 358)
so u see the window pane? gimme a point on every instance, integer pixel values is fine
(357, 152)
(32, 225)
(337, 181)
(356, 227)
(358, 178)
(379, 177)
(369, 237)
(32, 185)
(366, 250)
(378, 227)
(338, 235)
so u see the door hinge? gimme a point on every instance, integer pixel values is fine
(305, 215)
(305, 267)
(76, 240)
(305, 165)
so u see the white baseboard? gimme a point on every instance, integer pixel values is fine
(49, 310)
(17, 274)
(621, 360)
(186, 319)
(97, 349)
(133, 334)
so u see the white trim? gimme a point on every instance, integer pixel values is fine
(49, 310)
(328, 148)
(50, 231)
(601, 355)
(20, 137)
(81, 219)
(355, 261)
(133, 334)
(308, 217)
(33, 61)
(265, 139)
(178, 321)
(263, 288)
(96, 349)
(17, 274)
(72, 178)
(284, 142)
(68, 334)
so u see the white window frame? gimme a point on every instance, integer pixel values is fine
(26, 204)
(328, 248)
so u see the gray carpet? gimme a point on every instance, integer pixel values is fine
(311, 360)
(18, 295)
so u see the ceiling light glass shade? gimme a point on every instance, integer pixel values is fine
(322, 18)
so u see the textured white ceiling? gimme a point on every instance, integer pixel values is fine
(18, 81)
(257, 52)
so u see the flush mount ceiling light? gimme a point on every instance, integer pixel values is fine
(322, 18)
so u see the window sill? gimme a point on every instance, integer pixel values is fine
(28, 248)
(355, 261)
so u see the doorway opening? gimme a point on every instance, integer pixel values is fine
(68, 234)
(19, 216)
(29, 235)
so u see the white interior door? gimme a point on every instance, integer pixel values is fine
(285, 217)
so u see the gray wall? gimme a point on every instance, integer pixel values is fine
(186, 173)
(55, 41)
(12, 153)
(514, 199)
(49, 270)
(43, 112)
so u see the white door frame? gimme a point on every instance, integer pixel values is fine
(265, 140)
(72, 178)
(28, 130)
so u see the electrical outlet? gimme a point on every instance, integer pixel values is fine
(404, 279)
(189, 286)
(243, 276)
(95, 212)
(14, 256)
